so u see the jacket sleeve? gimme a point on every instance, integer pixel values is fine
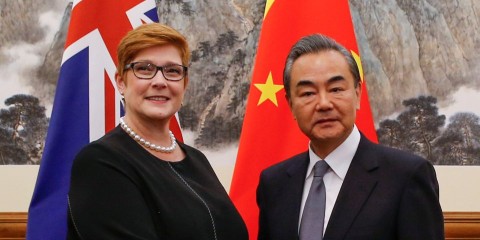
(104, 200)
(420, 213)
(262, 233)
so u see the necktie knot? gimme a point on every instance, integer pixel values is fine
(320, 168)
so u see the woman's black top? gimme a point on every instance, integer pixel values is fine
(119, 190)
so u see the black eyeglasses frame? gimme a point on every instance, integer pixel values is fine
(131, 66)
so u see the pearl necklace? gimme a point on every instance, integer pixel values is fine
(146, 143)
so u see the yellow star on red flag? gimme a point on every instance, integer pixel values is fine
(269, 90)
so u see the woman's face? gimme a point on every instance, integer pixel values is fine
(156, 98)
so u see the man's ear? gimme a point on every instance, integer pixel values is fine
(358, 92)
(289, 100)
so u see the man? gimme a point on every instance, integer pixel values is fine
(369, 191)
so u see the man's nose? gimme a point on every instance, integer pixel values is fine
(323, 102)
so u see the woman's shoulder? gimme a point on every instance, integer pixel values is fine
(191, 151)
(195, 155)
(105, 148)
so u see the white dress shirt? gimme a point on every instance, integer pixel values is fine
(339, 160)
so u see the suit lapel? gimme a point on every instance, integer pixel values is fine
(359, 182)
(294, 189)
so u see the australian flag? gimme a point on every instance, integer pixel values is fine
(86, 103)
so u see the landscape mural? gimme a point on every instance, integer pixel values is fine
(420, 60)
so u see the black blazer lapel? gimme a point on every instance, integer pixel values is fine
(359, 182)
(294, 188)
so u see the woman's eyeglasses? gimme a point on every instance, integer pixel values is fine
(145, 70)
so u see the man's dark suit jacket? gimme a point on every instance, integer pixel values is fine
(386, 194)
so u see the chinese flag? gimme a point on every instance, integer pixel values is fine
(269, 133)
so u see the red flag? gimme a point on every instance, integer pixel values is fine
(269, 133)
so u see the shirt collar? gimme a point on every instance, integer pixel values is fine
(339, 160)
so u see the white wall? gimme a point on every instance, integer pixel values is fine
(459, 186)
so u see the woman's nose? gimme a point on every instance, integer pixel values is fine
(159, 80)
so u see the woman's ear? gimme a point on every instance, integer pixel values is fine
(186, 82)
(120, 83)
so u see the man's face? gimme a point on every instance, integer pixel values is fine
(323, 98)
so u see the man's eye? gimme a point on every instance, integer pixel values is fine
(336, 90)
(306, 94)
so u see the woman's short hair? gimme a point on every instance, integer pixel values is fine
(150, 35)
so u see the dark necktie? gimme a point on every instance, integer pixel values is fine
(311, 227)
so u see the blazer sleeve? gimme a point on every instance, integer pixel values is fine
(262, 233)
(420, 213)
(104, 201)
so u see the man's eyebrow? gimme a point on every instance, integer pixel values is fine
(333, 79)
(336, 79)
(304, 83)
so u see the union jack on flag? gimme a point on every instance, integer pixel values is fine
(86, 104)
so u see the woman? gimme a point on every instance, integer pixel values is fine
(137, 182)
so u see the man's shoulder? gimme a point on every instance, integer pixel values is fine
(396, 153)
(288, 163)
(378, 148)
(389, 155)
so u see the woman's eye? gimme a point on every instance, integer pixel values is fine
(172, 70)
(144, 67)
